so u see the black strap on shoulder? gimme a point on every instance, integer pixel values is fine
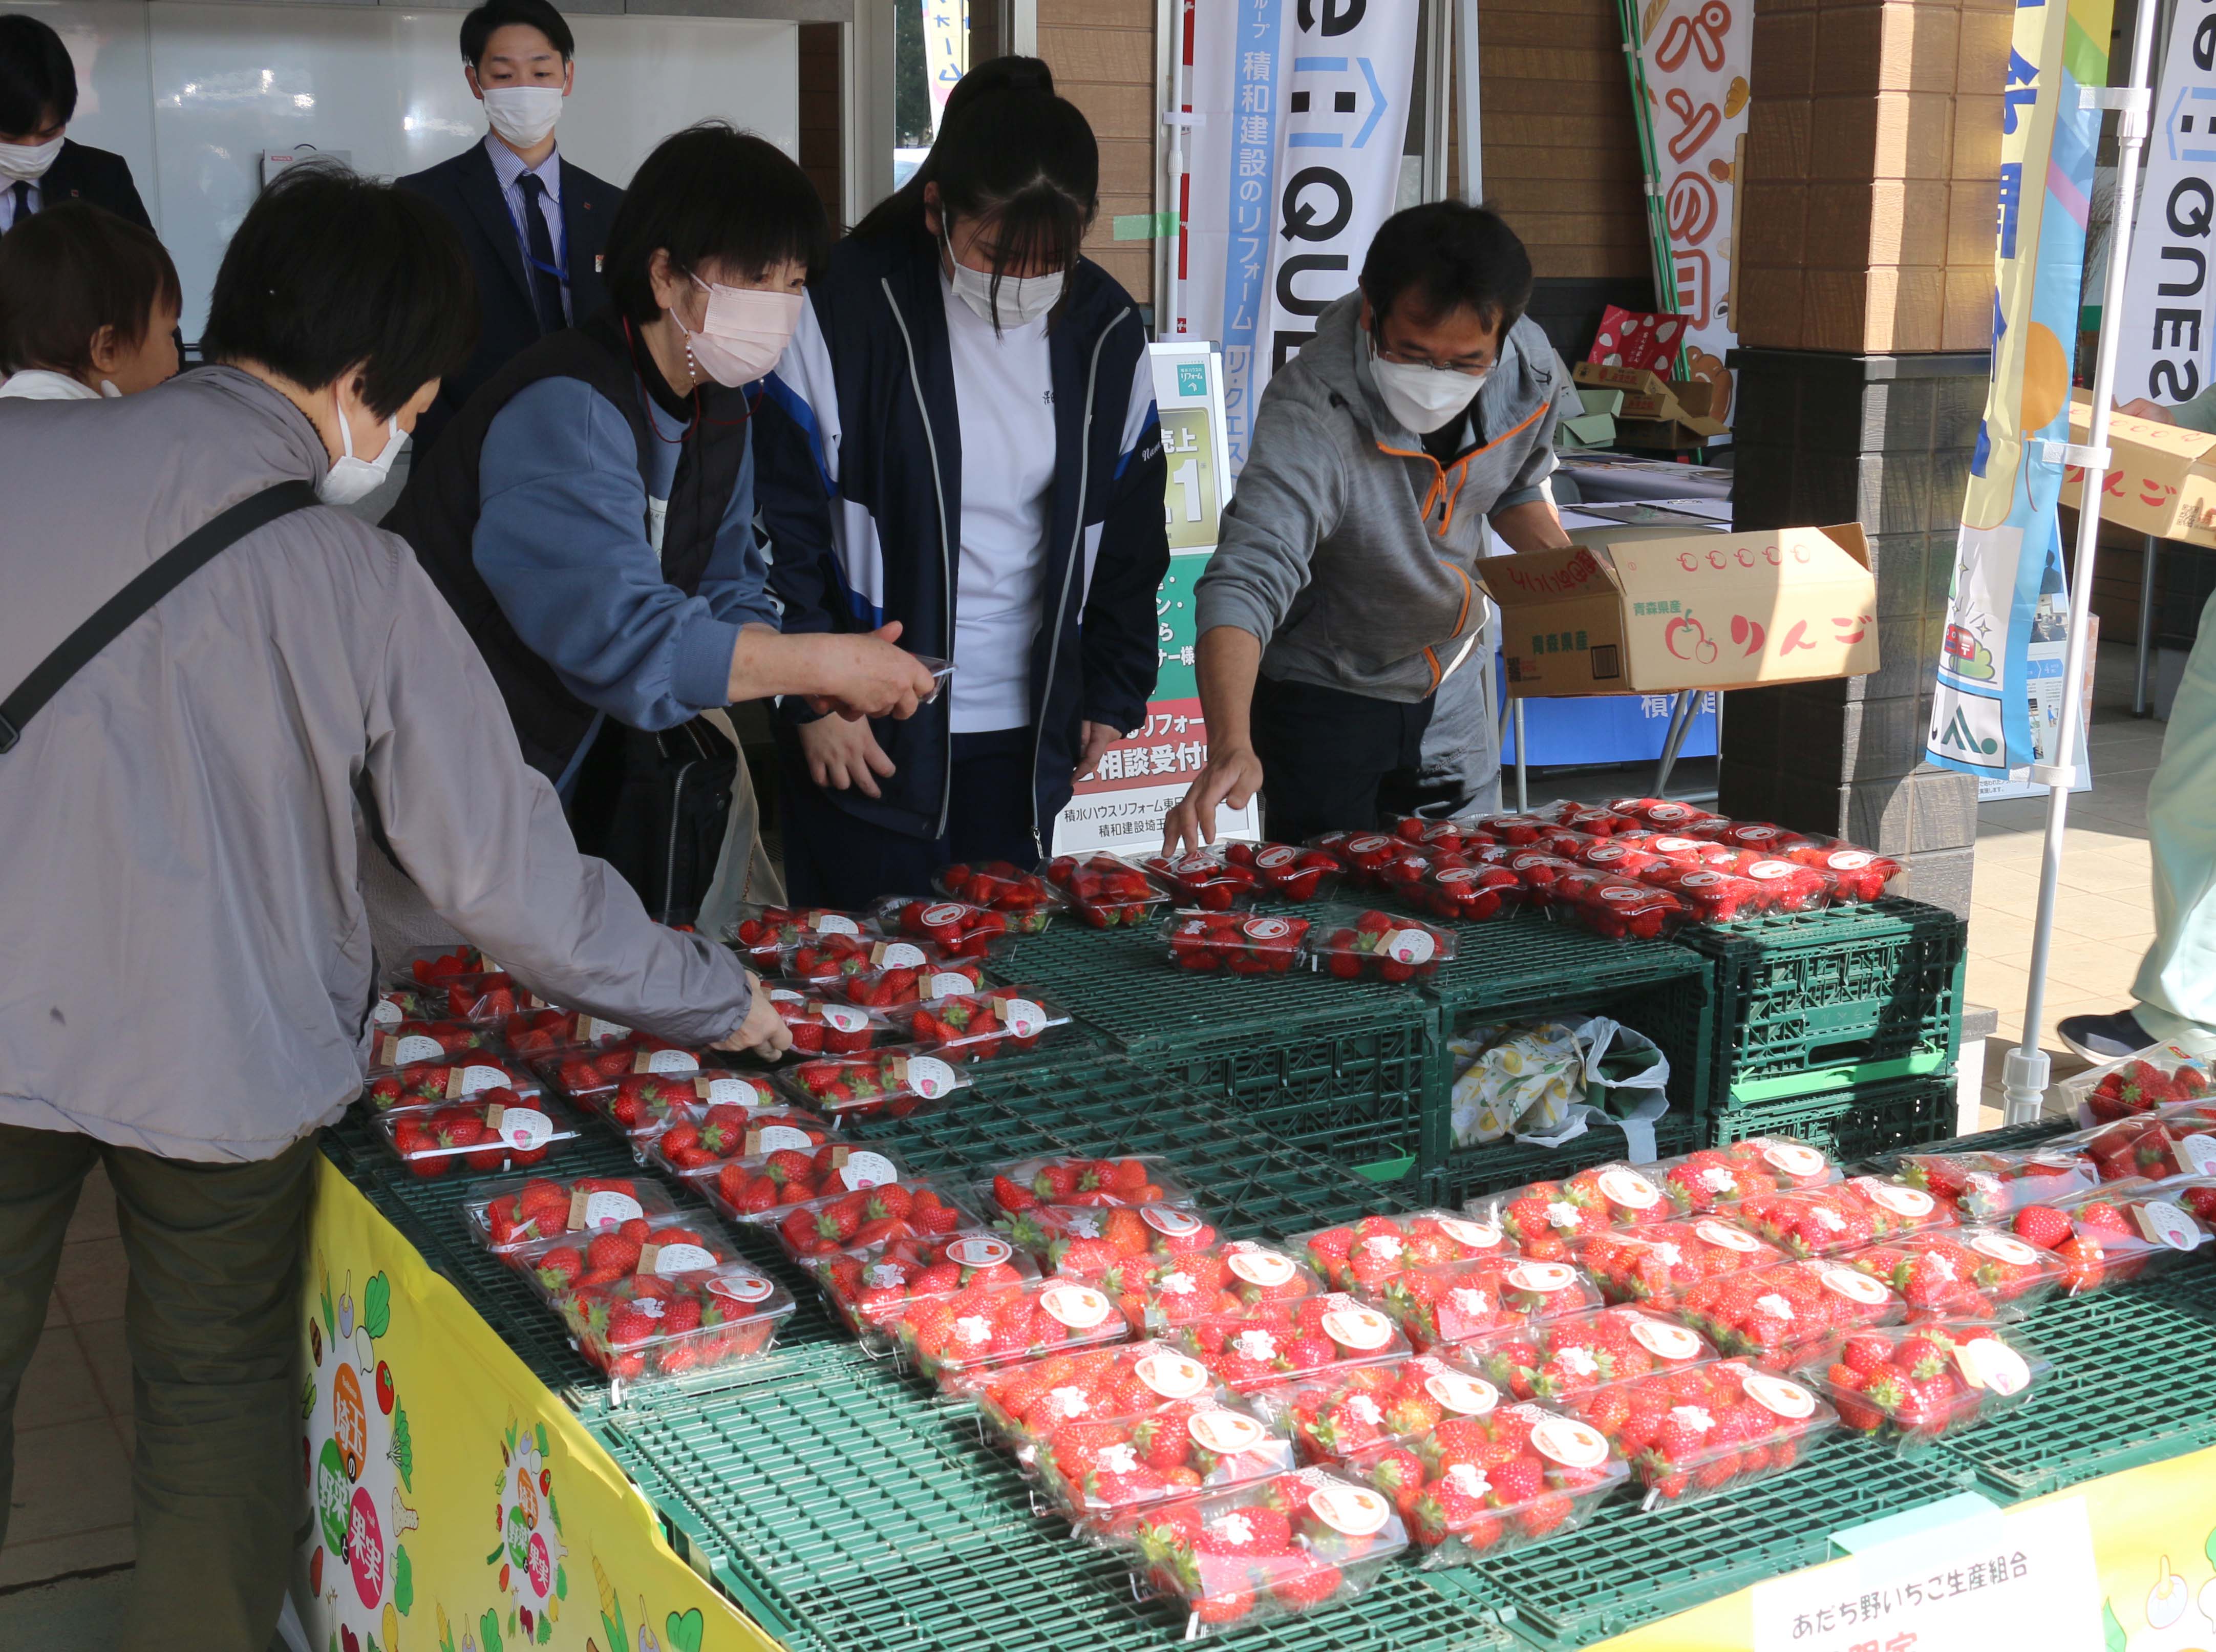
(194, 551)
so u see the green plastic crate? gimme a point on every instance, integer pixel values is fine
(1859, 1122)
(1800, 996)
(1337, 1067)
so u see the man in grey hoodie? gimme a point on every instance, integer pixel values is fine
(1341, 593)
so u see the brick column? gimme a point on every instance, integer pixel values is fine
(1869, 196)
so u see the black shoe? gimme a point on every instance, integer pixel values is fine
(2104, 1038)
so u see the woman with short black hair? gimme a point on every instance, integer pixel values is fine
(89, 307)
(590, 514)
(207, 683)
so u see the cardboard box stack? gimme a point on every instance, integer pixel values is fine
(1870, 194)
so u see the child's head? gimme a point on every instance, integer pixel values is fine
(84, 293)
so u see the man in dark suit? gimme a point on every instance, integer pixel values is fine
(38, 164)
(534, 224)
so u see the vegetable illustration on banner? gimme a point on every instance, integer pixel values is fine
(2007, 581)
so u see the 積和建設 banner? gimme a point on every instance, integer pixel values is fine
(1981, 720)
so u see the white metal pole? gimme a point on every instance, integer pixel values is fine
(1439, 109)
(2024, 1073)
(1471, 132)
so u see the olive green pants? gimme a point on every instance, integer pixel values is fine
(212, 1319)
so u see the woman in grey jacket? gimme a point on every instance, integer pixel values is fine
(191, 974)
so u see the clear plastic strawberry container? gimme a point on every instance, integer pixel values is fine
(1711, 894)
(1363, 857)
(645, 1105)
(1443, 836)
(1367, 1254)
(643, 1328)
(579, 1070)
(1993, 1185)
(1455, 1302)
(1266, 1551)
(1536, 870)
(1479, 1488)
(1232, 1278)
(870, 1288)
(1662, 813)
(1104, 892)
(2161, 1076)
(494, 1130)
(1768, 1312)
(761, 1187)
(2118, 1233)
(2171, 1141)
(1545, 1219)
(531, 1034)
(1275, 1343)
(698, 1138)
(916, 1208)
(669, 1248)
(1287, 872)
(1235, 943)
(1758, 835)
(988, 1325)
(1963, 1272)
(1095, 1470)
(1596, 820)
(1713, 1179)
(1708, 1429)
(434, 966)
(1561, 1360)
(1617, 908)
(892, 1083)
(492, 998)
(766, 935)
(508, 1218)
(1653, 1265)
(1515, 830)
(1344, 1413)
(434, 1083)
(885, 987)
(1842, 1217)
(1467, 894)
(981, 1026)
(1381, 946)
(1020, 1403)
(396, 1004)
(1098, 1243)
(827, 1027)
(1204, 879)
(998, 884)
(1020, 1183)
(957, 929)
(1681, 849)
(825, 961)
(413, 1043)
(1913, 1385)
(2197, 1195)
(1858, 875)
(1786, 886)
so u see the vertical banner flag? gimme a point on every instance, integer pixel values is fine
(946, 51)
(1142, 777)
(1695, 53)
(1301, 110)
(2167, 349)
(1981, 716)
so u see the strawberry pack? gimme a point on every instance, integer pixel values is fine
(1485, 1486)
(578, 1069)
(957, 929)
(987, 1325)
(1377, 946)
(1105, 892)
(2155, 1077)
(765, 935)
(670, 1249)
(979, 1025)
(494, 1130)
(1342, 1413)
(1596, 820)
(820, 1028)
(1914, 1384)
(1545, 1219)
(870, 1288)
(1021, 1184)
(1286, 872)
(851, 1221)
(1993, 1185)
(1467, 894)
(434, 966)
(1562, 1359)
(1235, 943)
(997, 885)
(1020, 1404)
(1768, 1311)
(431, 1083)
(1536, 871)
(1226, 1280)
(1363, 857)
(1369, 1254)
(1708, 1428)
(1858, 875)
(1616, 909)
(1843, 1216)
(2115, 1235)
(887, 985)
(1710, 894)
(510, 1218)
(756, 1187)
(1451, 1304)
(2174, 1140)
(1094, 1470)
(1205, 879)
(533, 1032)
(702, 1138)
(1659, 813)
(1655, 1264)
(644, 1104)
(1963, 1272)
(1109, 1247)
(893, 1083)
(413, 1043)
(1274, 1343)
(643, 1326)
(1712, 1179)
(1269, 1551)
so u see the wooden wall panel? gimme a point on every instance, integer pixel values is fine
(820, 137)
(1102, 53)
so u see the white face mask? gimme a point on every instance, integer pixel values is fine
(29, 162)
(350, 479)
(1424, 398)
(742, 334)
(1023, 299)
(523, 115)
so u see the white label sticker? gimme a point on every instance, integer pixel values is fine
(741, 1287)
(1474, 1236)
(1172, 1376)
(1774, 1394)
(899, 955)
(732, 1093)
(1024, 1019)
(386, 1014)
(980, 1250)
(1266, 928)
(1461, 1393)
(1912, 1202)
(1411, 945)
(1771, 871)
(1266, 1269)
(785, 996)
(2165, 1224)
(836, 923)
(1664, 1341)
(415, 1048)
(1702, 879)
(1278, 855)
(1849, 860)
(867, 1169)
(845, 1018)
(1794, 1158)
(929, 1076)
(594, 1030)
(1368, 843)
(1356, 1327)
(1225, 1432)
(1629, 1189)
(1573, 1444)
(606, 1209)
(1456, 875)
(673, 1259)
(782, 1138)
(1077, 1306)
(524, 1128)
(948, 985)
(1541, 1278)
(1854, 1286)
(479, 1077)
(1169, 1220)
(2005, 1247)
(1992, 1365)
(1355, 1511)
(671, 1061)
(1679, 844)
(944, 913)
(2198, 1153)
(1725, 1236)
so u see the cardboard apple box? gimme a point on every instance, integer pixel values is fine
(1687, 611)
(1675, 410)
(2161, 480)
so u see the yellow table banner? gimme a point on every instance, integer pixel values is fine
(456, 1504)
